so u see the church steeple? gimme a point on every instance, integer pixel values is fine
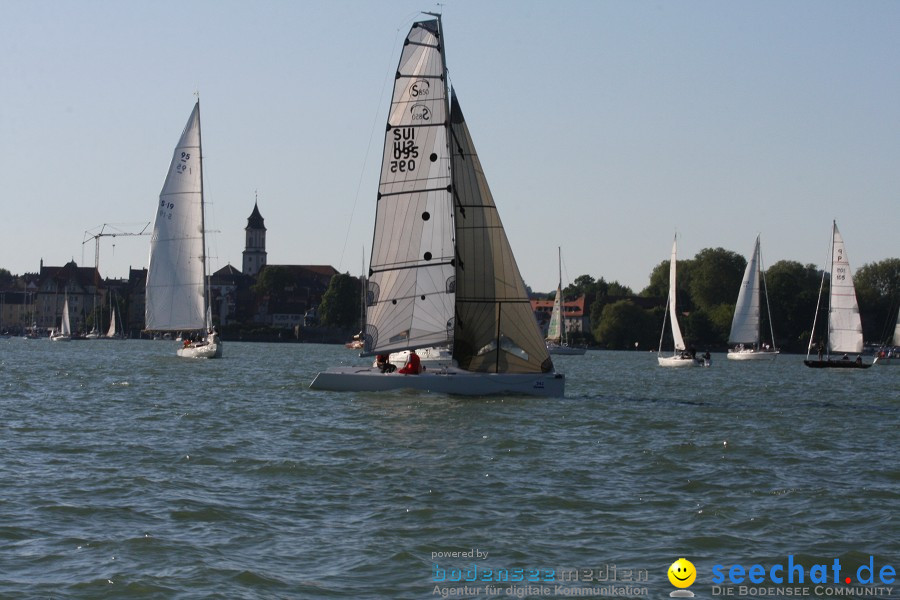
(255, 242)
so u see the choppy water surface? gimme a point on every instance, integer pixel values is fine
(126, 472)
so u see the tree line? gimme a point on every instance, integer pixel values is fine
(707, 291)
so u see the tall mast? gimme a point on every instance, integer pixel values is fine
(203, 222)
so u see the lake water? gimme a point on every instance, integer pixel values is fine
(128, 473)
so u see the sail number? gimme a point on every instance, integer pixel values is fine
(405, 150)
(182, 166)
(165, 209)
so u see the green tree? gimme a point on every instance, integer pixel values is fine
(623, 323)
(340, 305)
(793, 291)
(878, 293)
(715, 277)
(273, 281)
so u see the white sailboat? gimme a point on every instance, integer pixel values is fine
(442, 273)
(557, 335)
(890, 355)
(64, 334)
(177, 292)
(113, 332)
(844, 335)
(680, 356)
(745, 326)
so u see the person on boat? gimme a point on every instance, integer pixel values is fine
(383, 364)
(413, 365)
(707, 357)
(858, 359)
(845, 357)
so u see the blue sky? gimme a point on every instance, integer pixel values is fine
(603, 126)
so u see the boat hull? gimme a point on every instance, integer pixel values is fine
(565, 350)
(835, 364)
(752, 354)
(213, 350)
(443, 381)
(679, 362)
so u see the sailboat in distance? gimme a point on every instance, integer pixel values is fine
(64, 334)
(177, 287)
(557, 334)
(680, 357)
(442, 273)
(745, 326)
(844, 334)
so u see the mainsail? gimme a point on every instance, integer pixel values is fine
(673, 294)
(745, 325)
(411, 282)
(65, 328)
(844, 326)
(495, 325)
(175, 277)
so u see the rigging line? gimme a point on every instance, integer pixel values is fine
(388, 76)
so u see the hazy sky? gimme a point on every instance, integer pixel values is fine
(603, 126)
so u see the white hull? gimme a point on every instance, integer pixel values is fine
(678, 361)
(752, 354)
(444, 381)
(60, 338)
(213, 350)
(565, 350)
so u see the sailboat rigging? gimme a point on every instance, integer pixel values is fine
(557, 334)
(64, 334)
(442, 273)
(177, 286)
(680, 357)
(745, 326)
(844, 333)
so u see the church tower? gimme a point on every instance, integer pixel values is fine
(255, 244)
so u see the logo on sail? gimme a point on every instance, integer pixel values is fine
(420, 112)
(419, 88)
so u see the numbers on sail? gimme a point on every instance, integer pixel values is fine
(182, 165)
(165, 209)
(405, 151)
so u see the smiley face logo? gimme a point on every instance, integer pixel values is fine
(682, 573)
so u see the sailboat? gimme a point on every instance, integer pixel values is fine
(557, 336)
(680, 356)
(177, 292)
(890, 355)
(844, 326)
(442, 273)
(745, 325)
(65, 329)
(113, 332)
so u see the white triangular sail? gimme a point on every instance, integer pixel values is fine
(111, 332)
(673, 294)
(745, 325)
(844, 325)
(175, 278)
(554, 329)
(65, 328)
(896, 340)
(410, 296)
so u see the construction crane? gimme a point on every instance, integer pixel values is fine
(108, 230)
